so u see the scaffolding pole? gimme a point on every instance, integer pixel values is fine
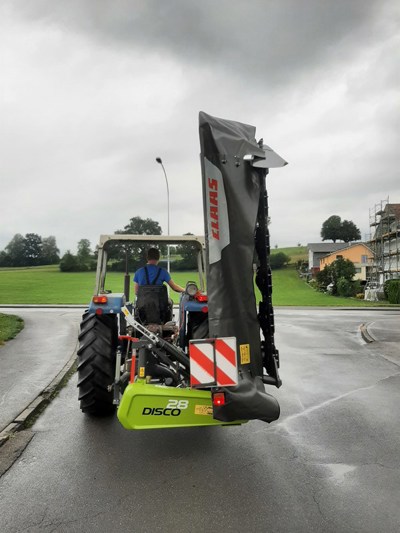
(384, 221)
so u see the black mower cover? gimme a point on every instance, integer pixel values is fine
(234, 168)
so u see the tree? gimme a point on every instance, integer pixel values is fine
(349, 231)
(84, 255)
(141, 226)
(331, 228)
(343, 269)
(32, 249)
(134, 252)
(334, 229)
(50, 252)
(15, 250)
(188, 251)
(4, 259)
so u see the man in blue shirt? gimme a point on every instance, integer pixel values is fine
(152, 274)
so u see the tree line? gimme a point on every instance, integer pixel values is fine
(30, 250)
(34, 250)
(132, 256)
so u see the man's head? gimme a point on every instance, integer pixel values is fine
(153, 254)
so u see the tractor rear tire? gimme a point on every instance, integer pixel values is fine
(96, 363)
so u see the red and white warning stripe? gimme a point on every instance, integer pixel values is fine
(202, 370)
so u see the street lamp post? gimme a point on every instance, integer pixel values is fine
(159, 161)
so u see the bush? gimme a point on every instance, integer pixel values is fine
(393, 291)
(344, 287)
(278, 260)
(339, 269)
(324, 277)
(386, 288)
(357, 287)
(185, 264)
(69, 263)
(349, 288)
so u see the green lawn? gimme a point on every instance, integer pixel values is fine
(10, 325)
(296, 253)
(50, 286)
(289, 289)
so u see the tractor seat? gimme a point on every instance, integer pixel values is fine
(153, 305)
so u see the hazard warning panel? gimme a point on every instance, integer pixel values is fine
(213, 362)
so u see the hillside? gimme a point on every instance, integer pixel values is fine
(296, 253)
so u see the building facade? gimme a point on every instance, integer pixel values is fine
(385, 241)
(318, 250)
(359, 254)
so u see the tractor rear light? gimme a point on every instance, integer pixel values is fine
(200, 297)
(99, 311)
(100, 299)
(204, 309)
(218, 399)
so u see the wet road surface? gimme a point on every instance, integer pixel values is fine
(29, 362)
(331, 463)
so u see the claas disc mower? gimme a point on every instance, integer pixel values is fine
(210, 365)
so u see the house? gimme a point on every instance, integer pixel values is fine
(385, 242)
(318, 250)
(358, 253)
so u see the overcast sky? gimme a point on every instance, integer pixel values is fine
(93, 91)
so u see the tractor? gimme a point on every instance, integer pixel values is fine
(209, 364)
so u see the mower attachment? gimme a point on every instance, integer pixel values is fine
(147, 406)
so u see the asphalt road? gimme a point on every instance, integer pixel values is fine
(330, 464)
(29, 362)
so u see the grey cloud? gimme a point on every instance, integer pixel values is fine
(319, 80)
(273, 41)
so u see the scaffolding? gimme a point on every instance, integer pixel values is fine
(384, 221)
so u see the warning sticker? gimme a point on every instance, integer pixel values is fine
(142, 372)
(244, 354)
(203, 410)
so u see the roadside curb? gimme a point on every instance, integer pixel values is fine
(365, 335)
(42, 306)
(22, 420)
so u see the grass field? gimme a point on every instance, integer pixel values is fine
(10, 325)
(47, 285)
(296, 253)
(289, 289)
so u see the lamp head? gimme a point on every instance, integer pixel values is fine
(159, 160)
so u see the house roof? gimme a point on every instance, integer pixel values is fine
(388, 220)
(356, 244)
(351, 246)
(326, 247)
(391, 209)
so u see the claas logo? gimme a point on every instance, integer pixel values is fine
(213, 199)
